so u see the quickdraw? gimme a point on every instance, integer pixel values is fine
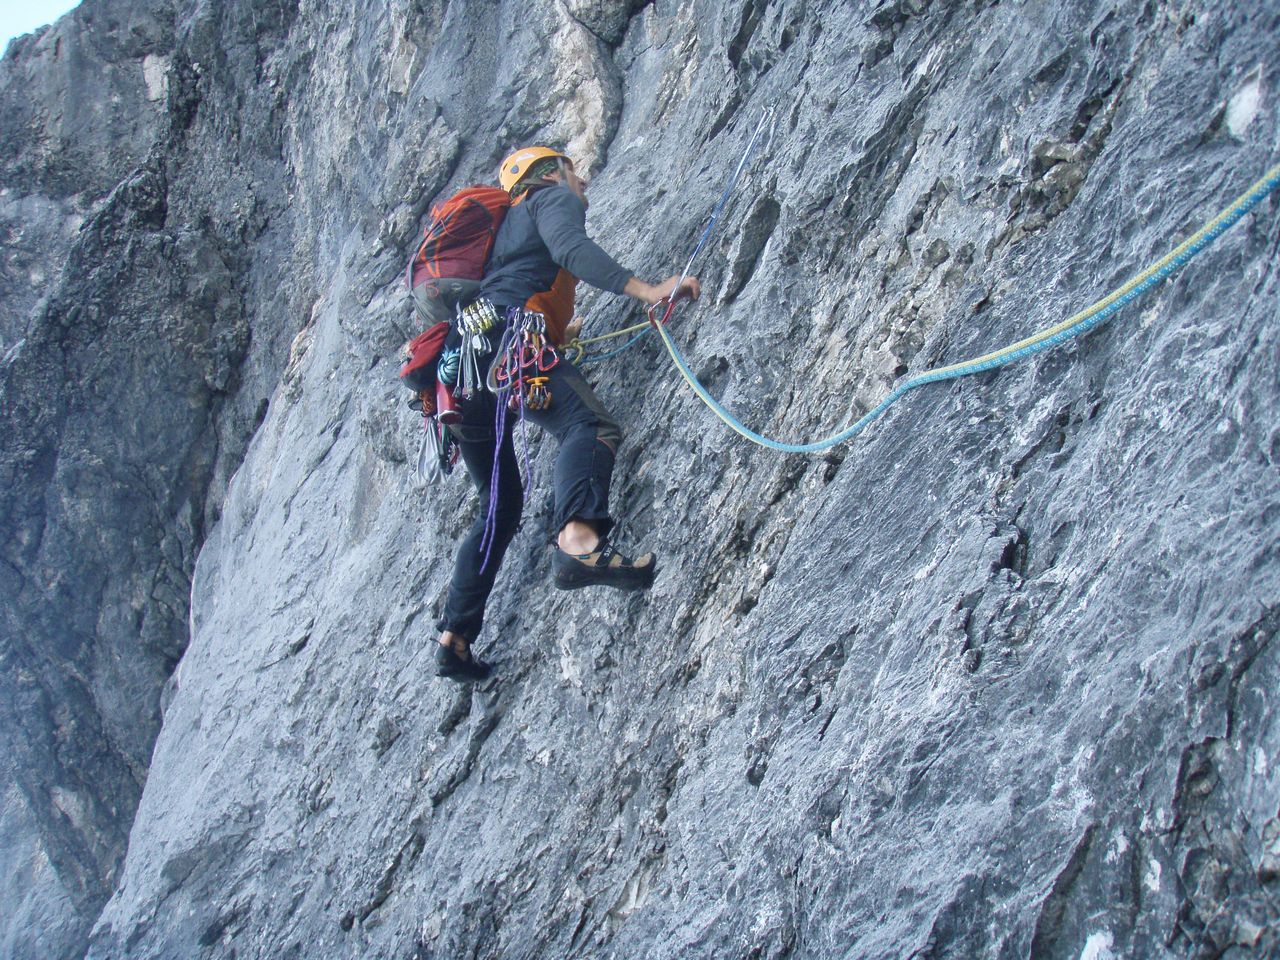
(667, 306)
(766, 120)
(1073, 326)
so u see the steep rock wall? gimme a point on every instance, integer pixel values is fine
(993, 681)
(132, 381)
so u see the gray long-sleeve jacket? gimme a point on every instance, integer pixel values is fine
(540, 235)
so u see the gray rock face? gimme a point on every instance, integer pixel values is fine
(994, 680)
(129, 393)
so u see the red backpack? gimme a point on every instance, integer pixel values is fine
(448, 266)
(457, 240)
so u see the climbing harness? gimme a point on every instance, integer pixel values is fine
(575, 348)
(1067, 329)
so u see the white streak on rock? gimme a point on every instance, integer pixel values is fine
(1098, 947)
(155, 71)
(1243, 107)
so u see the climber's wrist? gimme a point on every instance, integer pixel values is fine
(642, 291)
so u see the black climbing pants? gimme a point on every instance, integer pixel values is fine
(588, 438)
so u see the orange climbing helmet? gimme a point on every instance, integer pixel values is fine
(517, 166)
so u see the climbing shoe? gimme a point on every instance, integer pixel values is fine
(462, 669)
(605, 567)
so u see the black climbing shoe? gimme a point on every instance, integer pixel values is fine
(605, 567)
(454, 667)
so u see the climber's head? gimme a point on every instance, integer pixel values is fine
(536, 166)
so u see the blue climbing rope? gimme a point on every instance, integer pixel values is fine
(1073, 326)
(613, 353)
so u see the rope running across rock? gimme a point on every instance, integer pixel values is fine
(1073, 326)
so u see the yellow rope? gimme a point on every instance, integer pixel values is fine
(1073, 326)
(1115, 295)
(577, 343)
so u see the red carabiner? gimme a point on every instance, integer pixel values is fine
(670, 305)
(528, 354)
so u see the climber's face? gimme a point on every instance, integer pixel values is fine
(570, 179)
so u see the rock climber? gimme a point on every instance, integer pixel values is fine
(540, 251)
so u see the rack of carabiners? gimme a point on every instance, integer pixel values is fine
(518, 375)
(522, 363)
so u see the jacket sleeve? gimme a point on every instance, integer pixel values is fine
(561, 221)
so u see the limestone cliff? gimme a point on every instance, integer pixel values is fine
(996, 679)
